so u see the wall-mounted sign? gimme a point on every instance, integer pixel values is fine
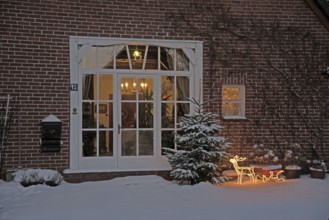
(74, 111)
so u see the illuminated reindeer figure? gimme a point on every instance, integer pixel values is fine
(249, 171)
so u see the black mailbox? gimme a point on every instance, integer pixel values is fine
(51, 128)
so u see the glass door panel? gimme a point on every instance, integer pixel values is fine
(89, 143)
(146, 143)
(105, 143)
(145, 115)
(97, 115)
(137, 116)
(175, 94)
(89, 115)
(105, 118)
(128, 115)
(128, 143)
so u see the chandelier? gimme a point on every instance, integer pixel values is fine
(131, 88)
(137, 55)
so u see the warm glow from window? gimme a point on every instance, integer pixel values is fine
(233, 101)
(137, 55)
(232, 93)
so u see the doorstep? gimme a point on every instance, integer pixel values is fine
(84, 176)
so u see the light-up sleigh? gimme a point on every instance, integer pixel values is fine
(265, 173)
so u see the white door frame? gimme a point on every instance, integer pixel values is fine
(79, 46)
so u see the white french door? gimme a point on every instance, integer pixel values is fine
(137, 127)
(120, 127)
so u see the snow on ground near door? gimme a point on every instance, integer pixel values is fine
(152, 198)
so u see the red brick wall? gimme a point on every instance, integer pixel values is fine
(34, 57)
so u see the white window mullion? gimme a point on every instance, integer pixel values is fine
(116, 118)
(157, 115)
(175, 108)
(115, 57)
(137, 120)
(159, 58)
(175, 59)
(97, 113)
(145, 57)
(128, 55)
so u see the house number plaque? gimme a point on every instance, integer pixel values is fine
(74, 87)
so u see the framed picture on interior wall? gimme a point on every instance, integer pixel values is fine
(102, 108)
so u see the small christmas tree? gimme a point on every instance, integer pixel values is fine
(199, 148)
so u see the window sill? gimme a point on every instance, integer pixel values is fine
(234, 118)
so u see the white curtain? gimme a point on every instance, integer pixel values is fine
(182, 62)
(183, 91)
(88, 82)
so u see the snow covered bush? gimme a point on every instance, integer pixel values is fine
(318, 165)
(28, 177)
(293, 155)
(263, 155)
(318, 162)
(200, 149)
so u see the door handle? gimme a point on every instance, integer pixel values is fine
(119, 128)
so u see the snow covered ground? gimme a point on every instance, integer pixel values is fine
(153, 198)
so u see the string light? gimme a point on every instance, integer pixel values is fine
(270, 175)
(242, 170)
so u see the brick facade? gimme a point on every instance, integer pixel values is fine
(34, 59)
